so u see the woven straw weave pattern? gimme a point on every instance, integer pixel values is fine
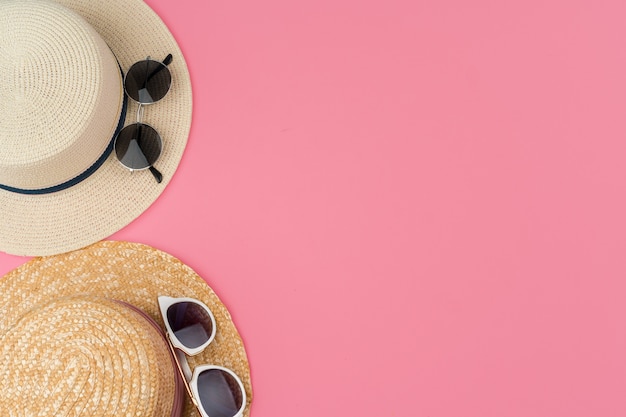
(85, 356)
(60, 96)
(133, 273)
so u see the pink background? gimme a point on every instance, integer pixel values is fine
(411, 208)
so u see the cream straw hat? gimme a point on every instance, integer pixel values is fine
(77, 334)
(62, 103)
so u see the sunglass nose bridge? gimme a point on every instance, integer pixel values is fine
(139, 113)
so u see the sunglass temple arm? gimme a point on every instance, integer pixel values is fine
(182, 375)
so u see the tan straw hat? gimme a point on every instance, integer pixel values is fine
(77, 334)
(62, 103)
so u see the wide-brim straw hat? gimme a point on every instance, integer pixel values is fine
(62, 101)
(76, 336)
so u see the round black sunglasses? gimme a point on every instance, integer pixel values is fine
(138, 146)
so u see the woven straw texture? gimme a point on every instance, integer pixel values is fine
(83, 355)
(128, 272)
(42, 146)
(108, 200)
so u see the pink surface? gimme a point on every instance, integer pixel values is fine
(411, 208)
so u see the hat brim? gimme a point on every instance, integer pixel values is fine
(130, 272)
(112, 197)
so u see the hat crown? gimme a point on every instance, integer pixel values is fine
(60, 96)
(87, 355)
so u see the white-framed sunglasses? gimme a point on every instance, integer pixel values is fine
(190, 327)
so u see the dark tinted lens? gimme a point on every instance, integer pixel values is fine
(220, 394)
(147, 81)
(190, 323)
(138, 146)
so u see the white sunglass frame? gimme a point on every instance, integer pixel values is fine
(179, 350)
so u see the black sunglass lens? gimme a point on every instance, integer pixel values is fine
(220, 394)
(147, 81)
(138, 146)
(190, 323)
